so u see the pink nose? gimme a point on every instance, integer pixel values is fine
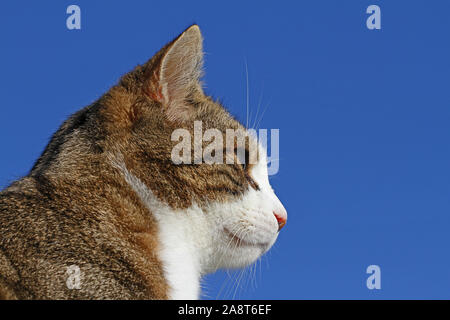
(281, 218)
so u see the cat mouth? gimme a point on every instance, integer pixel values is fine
(239, 242)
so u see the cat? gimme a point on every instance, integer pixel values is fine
(105, 213)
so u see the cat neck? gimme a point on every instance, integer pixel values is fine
(184, 238)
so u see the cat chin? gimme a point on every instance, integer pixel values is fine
(242, 253)
(244, 256)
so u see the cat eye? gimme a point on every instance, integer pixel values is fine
(243, 159)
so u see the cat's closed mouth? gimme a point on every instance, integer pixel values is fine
(239, 242)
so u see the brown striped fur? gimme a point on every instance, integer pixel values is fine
(75, 208)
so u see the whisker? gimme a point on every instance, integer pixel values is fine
(258, 107)
(262, 115)
(238, 278)
(247, 92)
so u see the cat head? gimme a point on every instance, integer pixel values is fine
(237, 215)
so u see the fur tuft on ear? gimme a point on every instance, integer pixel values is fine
(176, 74)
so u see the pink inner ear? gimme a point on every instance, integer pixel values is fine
(153, 88)
(157, 95)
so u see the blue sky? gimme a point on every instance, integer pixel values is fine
(363, 118)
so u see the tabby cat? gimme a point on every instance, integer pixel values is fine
(106, 214)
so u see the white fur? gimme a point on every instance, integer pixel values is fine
(194, 241)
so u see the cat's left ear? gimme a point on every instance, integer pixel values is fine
(175, 73)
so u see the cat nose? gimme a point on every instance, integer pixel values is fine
(281, 216)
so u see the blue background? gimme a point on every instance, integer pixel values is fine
(363, 118)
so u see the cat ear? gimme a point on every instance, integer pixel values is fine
(176, 72)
